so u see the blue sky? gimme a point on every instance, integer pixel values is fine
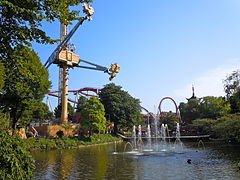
(162, 46)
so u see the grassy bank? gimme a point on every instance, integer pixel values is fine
(67, 142)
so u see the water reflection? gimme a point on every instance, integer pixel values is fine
(99, 162)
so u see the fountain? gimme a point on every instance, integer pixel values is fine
(149, 140)
(115, 148)
(178, 141)
(139, 142)
(139, 147)
(200, 143)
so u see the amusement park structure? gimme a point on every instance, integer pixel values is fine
(151, 117)
(65, 58)
(163, 114)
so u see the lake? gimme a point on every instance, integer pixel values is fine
(196, 161)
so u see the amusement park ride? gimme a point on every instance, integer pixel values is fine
(65, 58)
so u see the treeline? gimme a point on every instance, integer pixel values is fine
(114, 110)
(217, 116)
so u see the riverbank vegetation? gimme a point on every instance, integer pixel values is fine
(15, 160)
(68, 142)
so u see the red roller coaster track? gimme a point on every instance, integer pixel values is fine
(162, 114)
(83, 91)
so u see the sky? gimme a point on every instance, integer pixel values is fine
(163, 47)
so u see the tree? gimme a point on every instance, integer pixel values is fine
(204, 126)
(228, 127)
(232, 84)
(2, 75)
(37, 112)
(170, 119)
(213, 107)
(21, 21)
(124, 110)
(58, 111)
(26, 81)
(81, 103)
(93, 116)
(232, 90)
(190, 110)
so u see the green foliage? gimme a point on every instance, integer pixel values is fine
(228, 127)
(205, 107)
(81, 103)
(93, 115)
(26, 81)
(2, 76)
(4, 122)
(123, 109)
(170, 119)
(60, 134)
(213, 107)
(232, 89)
(232, 83)
(15, 162)
(67, 142)
(204, 126)
(190, 110)
(37, 112)
(21, 21)
(58, 110)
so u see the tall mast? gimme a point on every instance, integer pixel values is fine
(63, 34)
(63, 80)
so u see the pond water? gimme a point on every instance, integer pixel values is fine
(192, 161)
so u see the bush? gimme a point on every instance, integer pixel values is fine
(15, 162)
(228, 127)
(60, 134)
(66, 142)
(204, 126)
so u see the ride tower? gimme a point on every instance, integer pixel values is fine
(65, 58)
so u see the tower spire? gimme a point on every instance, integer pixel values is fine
(193, 94)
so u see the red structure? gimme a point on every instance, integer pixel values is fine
(162, 114)
(83, 91)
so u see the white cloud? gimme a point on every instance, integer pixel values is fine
(210, 83)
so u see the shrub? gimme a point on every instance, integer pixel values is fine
(204, 126)
(60, 134)
(15, 162)
(228, 127)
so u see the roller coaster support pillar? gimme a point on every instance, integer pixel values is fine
(64, 114)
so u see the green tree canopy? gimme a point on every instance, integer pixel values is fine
(213, 107)
(170, 119)
(81, 103)
(122, 108)
(228, 127)
(209, 107)
(190, 110)
(26, 81)
(2, 76)
(21, 21)
(232, 83)
(93, 115)
(37, 112)
(58, 111)
(232, 89)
